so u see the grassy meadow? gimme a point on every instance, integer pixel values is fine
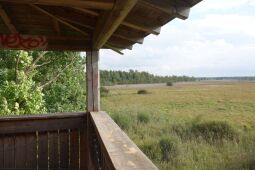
(200, 126)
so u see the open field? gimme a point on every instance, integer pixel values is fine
(201, 125)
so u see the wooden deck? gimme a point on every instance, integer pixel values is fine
(73, 141)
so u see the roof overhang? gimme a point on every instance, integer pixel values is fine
(82, 25)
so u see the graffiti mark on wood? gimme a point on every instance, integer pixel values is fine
(23, 42)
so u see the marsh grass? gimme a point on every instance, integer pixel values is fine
(203, 127)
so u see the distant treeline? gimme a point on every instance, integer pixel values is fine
(136, 77)
(244, 78)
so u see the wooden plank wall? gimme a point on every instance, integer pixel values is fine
(52, 149)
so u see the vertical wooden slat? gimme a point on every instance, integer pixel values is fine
(74, 150)
(43, 151)
(31, 151)
(84, 148)
(53, 150)
(20, 151)
(64, 150)
(1, 152)
(9, 152)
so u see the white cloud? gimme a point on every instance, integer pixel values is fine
(224, 5)
(208, 44)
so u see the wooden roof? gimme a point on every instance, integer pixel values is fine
(83, 25)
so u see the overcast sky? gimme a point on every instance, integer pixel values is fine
(218, 39)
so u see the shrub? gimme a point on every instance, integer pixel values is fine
(104, 91)
(169, 148)
(122, 120)
(142, 91)
(182, 130)
(143, 118)
(169, 83)
(150, 148)
(214, 130)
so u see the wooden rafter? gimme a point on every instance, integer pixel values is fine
(62, 21)
(164, 6)
(56, 26)
(58, 19)
(100, 5)
(130, 25)
(7, 20)
(139, 41)
(117, 50)
(110, 21)
(167, 9)
(155, 31)
(183, 13)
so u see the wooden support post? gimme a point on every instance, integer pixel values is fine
(93, 81)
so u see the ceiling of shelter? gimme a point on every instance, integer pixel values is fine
(83, 25)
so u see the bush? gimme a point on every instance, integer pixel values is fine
(143, 118)
(169, 148)
(142, 92)
(169, 83)
(150, 148)
(122, 120)
(214, 130)
(182, 130)
(104, 91)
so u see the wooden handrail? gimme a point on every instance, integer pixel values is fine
(117, 149)
(47, 122)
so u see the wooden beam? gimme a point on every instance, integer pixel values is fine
(139, 41)
(130, 25)
(91, 12)
(89, 4)
(7, 20)
(58, 19)
(180, 11)
(93, 81)
(155, 31)
(183, 12)
(62, 21)
(117, 50)
(56, 26)
(110, 21)
(164, 8)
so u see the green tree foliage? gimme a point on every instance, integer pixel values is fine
(19, 93)
(39, 82)
(63, 81)
(135, 77)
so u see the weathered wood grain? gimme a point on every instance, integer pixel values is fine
(116, 145)
(42, 123)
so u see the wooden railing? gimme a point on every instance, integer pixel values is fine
(43, 142)
(113, 147)
(67, 141)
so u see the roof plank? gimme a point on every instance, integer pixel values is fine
(60, 20)
(7, 20)
(101, 5)
(56, 26)
(110, 21)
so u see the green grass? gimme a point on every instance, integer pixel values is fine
(186, 127)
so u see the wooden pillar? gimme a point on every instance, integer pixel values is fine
(93, 81)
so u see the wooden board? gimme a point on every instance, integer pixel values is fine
(1, 152)
(20, 151)
(74, 149)
(64, 150)
(54, 150)
(116, 146)
(28, 124)
(43, 151)
(9, 152)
